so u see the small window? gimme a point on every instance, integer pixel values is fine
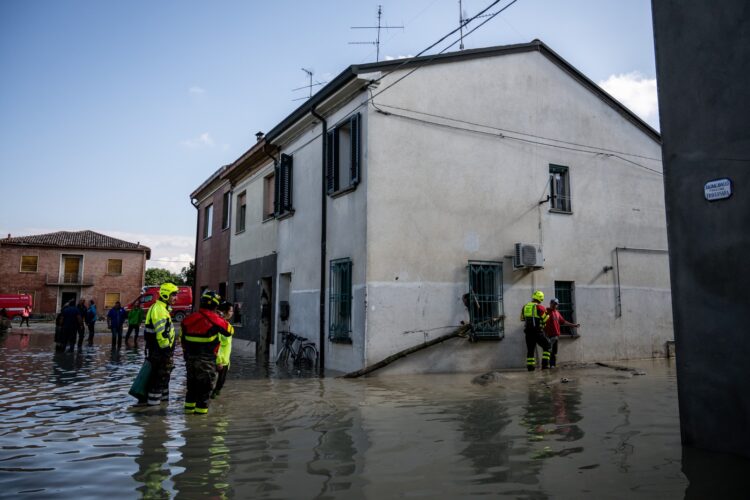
(226, 202)
(485, 300)
(223, 291)
(239, 300)
(269, 196)
(340, 310)
(208, 221)
(564, 292)
(114, 266)
(343, 154)
(110, 298)
(559, 187)
(283, 187)
(241, 210)
(29, 263)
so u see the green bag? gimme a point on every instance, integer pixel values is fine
(140, 384)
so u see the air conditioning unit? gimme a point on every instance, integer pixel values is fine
(528, 256)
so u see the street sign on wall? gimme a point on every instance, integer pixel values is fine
(717, 189)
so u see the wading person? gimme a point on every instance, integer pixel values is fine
(71, 322)
(82, 328)
(91, 317)
(135, 318)
(554, 321)
(226, 311)
(25, 316)
(115, 320)
(200, 345)
(534, 315)
(159, 336)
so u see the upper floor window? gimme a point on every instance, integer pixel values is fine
(225, 204)
(559, 188)
(241, 211)
(283, 187)
(269, 196)
(343, 154)
(114, 266)
(29, 263)
(208, 221)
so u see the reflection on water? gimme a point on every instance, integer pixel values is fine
(69, 431)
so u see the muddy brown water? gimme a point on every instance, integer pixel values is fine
(68, 431)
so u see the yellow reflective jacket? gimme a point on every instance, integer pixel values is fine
(225, 347)
(159, 324)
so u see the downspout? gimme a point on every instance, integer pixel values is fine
(323, 231)
(196, 204)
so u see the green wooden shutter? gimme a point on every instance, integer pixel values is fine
(354, 128)
(332, 173)
(285, 183)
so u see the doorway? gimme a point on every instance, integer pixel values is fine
(263, 348)
(66, 297)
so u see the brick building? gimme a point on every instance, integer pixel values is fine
(56, 267)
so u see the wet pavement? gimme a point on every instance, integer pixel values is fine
(68, 431)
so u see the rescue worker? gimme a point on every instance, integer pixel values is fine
(226, 310)
(201, 341)
(534, 315)
(159, 336)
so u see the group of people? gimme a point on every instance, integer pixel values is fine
(71, 323)
(542, 328)
(206, 339)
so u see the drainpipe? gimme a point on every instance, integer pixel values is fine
(323, 230)
(195, 204)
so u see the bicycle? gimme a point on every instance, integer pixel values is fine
(304, 356)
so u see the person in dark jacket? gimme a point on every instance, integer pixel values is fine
(115, 321)
(91, 317)
(81, 329)
(71, 322)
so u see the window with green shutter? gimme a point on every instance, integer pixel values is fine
(343, 155)
(283, 179)
(486, 300)
(564, 294)
(340, 301)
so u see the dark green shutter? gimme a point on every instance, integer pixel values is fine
(354, 129)
(332, 173)
(285, 183)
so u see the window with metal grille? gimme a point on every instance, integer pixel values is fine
(208, 221)
(564, 293)
(343, 153)
(29, 263)
(241, 211)
(340, 302)
(486, 299)
(283, 177)
(559, 187)
(226, 202)
(114, 266)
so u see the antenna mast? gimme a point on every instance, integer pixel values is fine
(379, 27)
(309, 86)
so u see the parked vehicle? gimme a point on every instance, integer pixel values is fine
(181, 308)
(14, 303)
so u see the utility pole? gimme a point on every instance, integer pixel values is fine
(379, 27)
(461, 22)
(309, 86)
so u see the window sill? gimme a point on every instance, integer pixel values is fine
(558, 211)
(224, 229)
(28, 272)
(572, 336)
(114, 274)
(267, 218)
(340, 340)
(240, 231)
(285, 215)
(207, 238)
(342, 192)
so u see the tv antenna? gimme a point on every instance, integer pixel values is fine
(309, 86)
(379, 27)
(461, 22)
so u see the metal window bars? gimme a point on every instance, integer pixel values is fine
(486, 312)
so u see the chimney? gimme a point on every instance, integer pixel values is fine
(259, 136)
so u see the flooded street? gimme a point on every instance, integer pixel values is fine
(68, 432)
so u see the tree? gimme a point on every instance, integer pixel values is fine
(157, 276)
(188, 274)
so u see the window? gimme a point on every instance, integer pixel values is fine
(71, 269)
(208, 221)
(559, 188)
(223, 290)
(110, 298)
(114, 266)
(241, 209)
(269, 196)
(29, 263)
(340, 302)
(283, 187)
(226, 202)
(564, 293)
(239, 300)
(486, 299)
(343, 156)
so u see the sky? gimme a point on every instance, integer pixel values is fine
(112, 113)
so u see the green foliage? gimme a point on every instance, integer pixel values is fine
(188, 274)
(157, 276)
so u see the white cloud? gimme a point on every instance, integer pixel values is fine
(202, 141)
(636, 92)
(196, 90)
(393, 58)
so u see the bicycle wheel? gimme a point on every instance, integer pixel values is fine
(308, 357)
(283, 356)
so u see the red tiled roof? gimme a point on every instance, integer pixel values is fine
(75, 239)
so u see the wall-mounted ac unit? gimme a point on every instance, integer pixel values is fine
(528, 256)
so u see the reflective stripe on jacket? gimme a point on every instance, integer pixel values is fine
(203, 329)
(159, 324)
(225, 347)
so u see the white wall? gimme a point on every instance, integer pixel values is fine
(259, 237)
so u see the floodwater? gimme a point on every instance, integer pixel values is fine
(598, 433)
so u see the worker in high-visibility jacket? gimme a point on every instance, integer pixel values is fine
(226, 311)
(534, 315)
(201, 341)
(159, 336)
